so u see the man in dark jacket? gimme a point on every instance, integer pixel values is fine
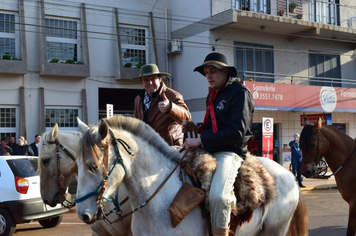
(224, 133)
(5, 150)
(161, 107)
(296, 159)
(34, 145)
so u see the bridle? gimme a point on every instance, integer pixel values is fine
(60, 177)
(99, 191)
(106, 174)
(317, 158)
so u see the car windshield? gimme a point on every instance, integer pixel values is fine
(23, 168)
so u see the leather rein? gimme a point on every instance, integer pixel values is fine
(60, 177)
(106, 175)
(317, 158)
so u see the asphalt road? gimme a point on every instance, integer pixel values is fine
(328, 215)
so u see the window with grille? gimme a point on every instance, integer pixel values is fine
(133, 46)
(325, 66)
(62, 39)
(8, 34)
(64, 117)
(325, 11)
(254, 62)
(8, 117)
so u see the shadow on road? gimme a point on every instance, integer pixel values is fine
(328, 230)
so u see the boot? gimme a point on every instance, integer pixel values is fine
(219, 231)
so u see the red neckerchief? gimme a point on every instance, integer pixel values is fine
(210, 111)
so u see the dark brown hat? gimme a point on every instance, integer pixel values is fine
(150, 69)
(219, 61)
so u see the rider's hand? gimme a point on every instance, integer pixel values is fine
(165, 105)
(191, 142)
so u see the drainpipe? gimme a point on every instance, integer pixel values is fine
(167, 38)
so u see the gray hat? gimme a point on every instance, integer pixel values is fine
(150, 69)
(219, 61)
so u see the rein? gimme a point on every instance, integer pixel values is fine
(59, 147)
(318, 157)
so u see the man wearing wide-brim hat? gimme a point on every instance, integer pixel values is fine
(224, 133)
(161, 107)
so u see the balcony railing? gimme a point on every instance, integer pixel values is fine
(295, 79)
(321, 11)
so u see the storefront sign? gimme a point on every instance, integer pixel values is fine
(325, 118)
(267, 138)
(290, 97)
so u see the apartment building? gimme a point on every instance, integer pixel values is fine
(297, 57)
(60, 60)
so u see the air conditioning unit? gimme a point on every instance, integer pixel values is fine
(174, 46)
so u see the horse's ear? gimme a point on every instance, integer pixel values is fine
(53, 134)
(103, 129)
(82, 126)
(306, 121)
(318, 123)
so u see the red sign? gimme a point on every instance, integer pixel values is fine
(313, 118)
(267, 138)
(290, 97)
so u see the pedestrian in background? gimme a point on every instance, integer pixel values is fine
(22, 148)
(5, 150)
(12, 142)
(296, 159)
(34, 145)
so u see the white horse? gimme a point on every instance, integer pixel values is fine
(139, 160)
(56, 170)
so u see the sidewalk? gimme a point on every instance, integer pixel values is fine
(319, 183)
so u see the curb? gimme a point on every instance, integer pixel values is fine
(319, 188)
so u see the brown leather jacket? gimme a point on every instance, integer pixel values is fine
(168, 125)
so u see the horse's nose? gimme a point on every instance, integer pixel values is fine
(88, 219)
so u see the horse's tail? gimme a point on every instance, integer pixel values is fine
(299, 223)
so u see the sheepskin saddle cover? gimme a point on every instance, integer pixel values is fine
(253, 186)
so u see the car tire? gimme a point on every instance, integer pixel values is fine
(7, 223)
(52, 222)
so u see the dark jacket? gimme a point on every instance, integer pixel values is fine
(295, 151)
(8, 150)
(167, 125)
(34, 149)
(234, 110)
(25, 150)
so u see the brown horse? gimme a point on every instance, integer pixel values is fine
(339, 151)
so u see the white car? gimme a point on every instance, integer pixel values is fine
(20, 197)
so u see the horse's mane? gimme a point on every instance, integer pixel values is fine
(137, 128)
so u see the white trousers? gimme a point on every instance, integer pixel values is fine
(221, 196)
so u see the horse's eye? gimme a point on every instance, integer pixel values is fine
(92, 168)
(45, 161)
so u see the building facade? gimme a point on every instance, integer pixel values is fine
(70, 59)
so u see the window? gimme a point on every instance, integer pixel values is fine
(62, 39)
(261, 6)
(133, 45)
(325, 11)
(326, 66)
(251, 58)
(64, 117)
(8, 35)
(8, 117)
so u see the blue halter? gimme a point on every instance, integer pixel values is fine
(118, 160)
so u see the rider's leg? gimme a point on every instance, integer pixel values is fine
(221, 196)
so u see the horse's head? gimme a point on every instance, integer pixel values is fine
(313, 146)
(57, 151)
(99, 170)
